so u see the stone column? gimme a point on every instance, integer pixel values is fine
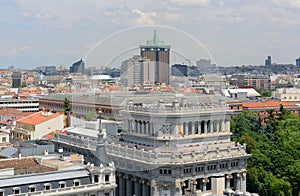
(227, 125)
(205, 181)
(211, 126)
(228, 178)
(193, 183)
(128, 185)
(218, 126)
(238, 181)
(243, 181)
(142, 127)
(181, 128)
(121, 185)
(145, 188)
(153, 188)
(137, 187)
(136, 126)
(147, 128)
(205, 127)
(193, 128)
(222, 126)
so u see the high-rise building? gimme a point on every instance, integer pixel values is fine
(137, 70)
(203, 64)
(159, 53)
(268, 61)
(78, 67)
(179, 70)
(16, 79)
(50, 71)
(298, 62)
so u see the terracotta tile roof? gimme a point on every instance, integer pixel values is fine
(28, 163)
(10, 111)
(267, 104)
(51, 135)
(38, 117)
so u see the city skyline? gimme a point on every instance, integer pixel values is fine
(237, 32)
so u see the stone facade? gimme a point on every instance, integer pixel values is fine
(171, 149)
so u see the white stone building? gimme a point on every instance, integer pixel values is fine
(177, 148)
(36, 125)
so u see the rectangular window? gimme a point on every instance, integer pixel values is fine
(234, 163)
(47, 187)
(96, 178)
(211, 167)
(106, 178)
(199, 168)
(76, 183)
(16, 190)
(187, 170)
(62, 185)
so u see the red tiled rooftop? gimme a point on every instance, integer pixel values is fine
(51, 135)
(266, 104)
(38, 117)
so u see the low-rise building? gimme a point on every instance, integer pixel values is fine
(25, 105)
(47, 175)
(36, 125)
(261, 108)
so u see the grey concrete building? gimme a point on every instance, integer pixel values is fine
(136, 71)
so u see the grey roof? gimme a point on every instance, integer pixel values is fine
(8, 152)
(119, 99)
(44, 177)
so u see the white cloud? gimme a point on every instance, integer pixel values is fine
(283, 21)
(26, 13)
(291, 4)
(271, 37)
(190, 2)
(14, 51)
(143, 18)
(37, 15)
(234, 18)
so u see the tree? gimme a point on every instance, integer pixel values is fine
(247, 139)
(274, 168)
(67, 107)
(244, 122)
(90, 115)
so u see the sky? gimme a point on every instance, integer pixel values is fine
(230, 32)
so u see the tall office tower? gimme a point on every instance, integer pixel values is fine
(179, 70)
(298, 62)
(78, 67)
(50, 71)
(268, 61)
(159, 53)
(137, 70)
(16, 79)
(203, 64)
